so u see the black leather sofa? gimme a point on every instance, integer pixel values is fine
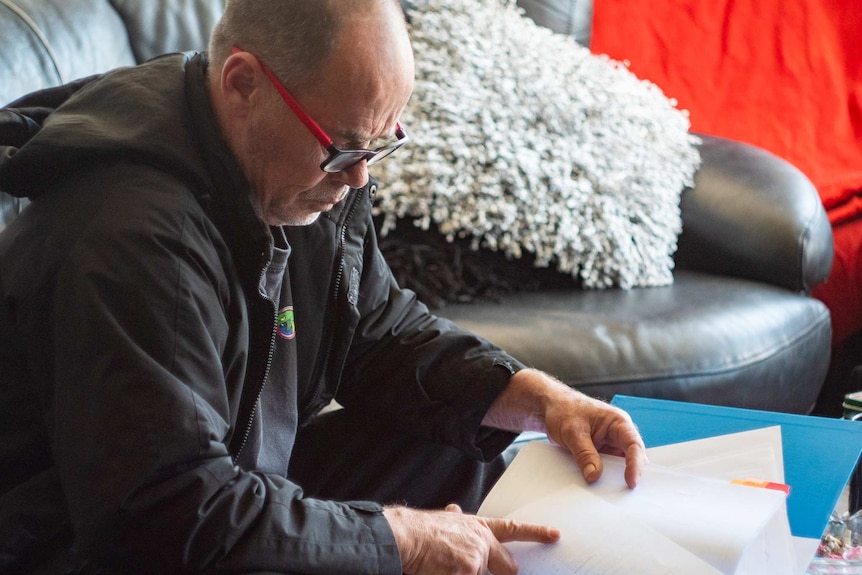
(737, 327)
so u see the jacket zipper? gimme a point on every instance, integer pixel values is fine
(329, 333)
(253, 413)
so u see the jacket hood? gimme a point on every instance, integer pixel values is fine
(48, 136)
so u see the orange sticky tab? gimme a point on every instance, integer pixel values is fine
(763, 484)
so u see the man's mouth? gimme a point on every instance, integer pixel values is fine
(339, 197)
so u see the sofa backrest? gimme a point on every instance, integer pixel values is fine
(573, 17)
(161, 26)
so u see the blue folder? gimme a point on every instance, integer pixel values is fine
(819, 453)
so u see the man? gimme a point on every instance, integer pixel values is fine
(197, 276)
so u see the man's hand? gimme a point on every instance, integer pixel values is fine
(452, 543)
(534, 401)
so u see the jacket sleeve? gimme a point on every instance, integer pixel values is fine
(419, 370)
(140, 317)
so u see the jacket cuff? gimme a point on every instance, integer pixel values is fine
(489, 442)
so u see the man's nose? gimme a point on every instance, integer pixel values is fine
(355, 176)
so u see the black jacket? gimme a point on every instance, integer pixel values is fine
(134, 342)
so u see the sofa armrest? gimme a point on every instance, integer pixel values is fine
(51, 42)
(753, 215)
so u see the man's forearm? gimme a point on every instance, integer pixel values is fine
(523, 405)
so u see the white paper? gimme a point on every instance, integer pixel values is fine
(748, 454)
(754, 454)
(617, 545)
(731, 527)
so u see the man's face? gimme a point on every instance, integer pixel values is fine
(357, 102)
(283, 165)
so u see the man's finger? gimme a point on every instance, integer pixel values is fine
(635, 460)
(588, 460)
(505, 530)
(500, 561)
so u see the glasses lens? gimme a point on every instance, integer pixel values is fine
(382, 154)
(343, 160)
(340, 160)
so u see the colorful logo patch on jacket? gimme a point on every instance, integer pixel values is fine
(286, 326)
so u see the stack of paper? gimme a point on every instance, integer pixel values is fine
(819, 453)
(686, 516)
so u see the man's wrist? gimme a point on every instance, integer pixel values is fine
(400, 523)
(524, 403)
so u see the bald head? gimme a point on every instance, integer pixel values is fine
(296, 37)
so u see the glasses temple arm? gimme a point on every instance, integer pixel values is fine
(312, 126)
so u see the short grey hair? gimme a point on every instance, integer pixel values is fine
(292, 37)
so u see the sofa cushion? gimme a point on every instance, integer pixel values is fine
(574, 160)
(159, 27)
(51, 42)
(705, 339)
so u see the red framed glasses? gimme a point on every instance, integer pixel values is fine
(338, 160)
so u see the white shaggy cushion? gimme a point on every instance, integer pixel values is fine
(526, 142)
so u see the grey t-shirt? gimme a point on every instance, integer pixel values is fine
(271, 441)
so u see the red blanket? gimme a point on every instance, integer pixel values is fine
(785, 75)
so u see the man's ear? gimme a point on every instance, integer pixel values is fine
(239, 83)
